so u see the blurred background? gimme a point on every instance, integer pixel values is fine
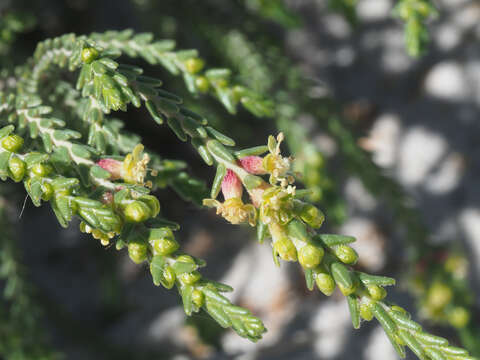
(387, 142)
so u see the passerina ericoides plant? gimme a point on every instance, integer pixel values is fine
(89, 167)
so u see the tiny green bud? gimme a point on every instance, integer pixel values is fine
(17, 168)
(312, 216)
(165, 246)
(310, 256)
(168, 277)
(47, 191)
(286, 249)
(198, 298)
(221, 83)
(160, 233)
(366, 311)
(325, 283)
(185, 259)
(137, 211)
(190, 278)
(120, 244)
(345, 254)
(152, 203)
(347, 290)
(202, 84)
(41, 169)
(89, 54)
(12, 143)
(137, 250)
(458, 317)
(194, 65)
(376, 292)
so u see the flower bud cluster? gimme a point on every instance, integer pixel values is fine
(133, 168)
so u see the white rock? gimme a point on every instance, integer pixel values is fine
(472, 69)
(446, 81)
(468, 16)
(379, 347)
(344, 56)
(447, 36)
(370, 242)
(383, 139)
(372, 10)
(337, 26)
(452, 4)
(420, 150)
(447, 177)
(166, 325)
(470, 220)
(263, 288)
(396, 60)
(332, 324)
(358, 196)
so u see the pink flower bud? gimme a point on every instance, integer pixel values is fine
(114, 167)
(231, 186)
(253, 165)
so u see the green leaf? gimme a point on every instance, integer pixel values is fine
(218, 314)
(193, 128)
(174, 124)
(298, 230)
(169, 96)
(404, 322)
(398, 348)
(87, 202)
(225, 140)
(261, 231)
(205, 155)
(309, 279)
(368, 279)
(454, 351)
(152, 109)
(217, 181)
(217, 74)
(429, 339)
(412, 344)
(33, 158)
(227, 98)
(4, 158)
(253, 151)
(354, 310)
(193, 115)
(434, 354)
(181, 267)
(219, 286)
(34, 189)
(341, 275)
(59, 215)
(186, 292)
(6, 130)
(332, 239)
(157, 266)
(384, 319)
(99, 173)
(81, 151)
(213, 296)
